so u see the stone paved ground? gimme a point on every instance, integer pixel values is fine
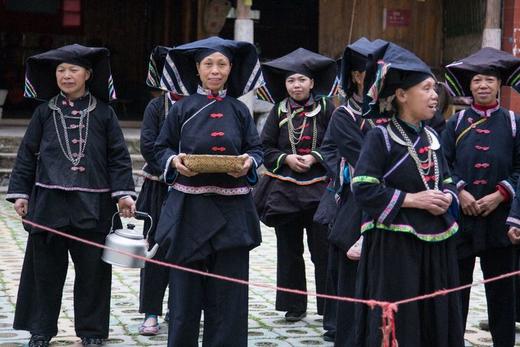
(266, 326)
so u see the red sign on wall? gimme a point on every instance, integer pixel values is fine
(398, 18)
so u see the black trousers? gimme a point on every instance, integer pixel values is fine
(225, 304)
(500, 295)
(154, 280)
(331, 306)
(345, 324)
(43, 276)
(291, 266)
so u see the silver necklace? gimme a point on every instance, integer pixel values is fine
(59, 118)
(419, 163)
(295, 135)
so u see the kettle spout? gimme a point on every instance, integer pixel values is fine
(151, 253)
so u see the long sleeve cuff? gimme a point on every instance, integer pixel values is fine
(460, 185)
(170, 174)
(122, 193)
(508, 187)
(513, 222)
(279, 162)
(11, 197)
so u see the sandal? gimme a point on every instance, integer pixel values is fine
(149, 330)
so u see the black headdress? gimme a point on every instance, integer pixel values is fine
(40, 76)
(180, 72)
(399, 68)
(318, 67)
(155, 66)
(487, 61)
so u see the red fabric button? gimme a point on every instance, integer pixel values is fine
(216, 115)
(218, 149)
(482, 165)
(217, 134)
(482, 148)
(477, 182)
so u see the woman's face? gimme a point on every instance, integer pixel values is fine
(72, 79)
(299, 86)
(358, 77)
(214, 71)
(484, 89)
(420, 101)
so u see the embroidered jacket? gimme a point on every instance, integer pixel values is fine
(385, 172)
(69, 178)
(206, 124)
(483, 151)
(104, 164)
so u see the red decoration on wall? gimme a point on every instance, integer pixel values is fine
(71, 13)
(398, 17)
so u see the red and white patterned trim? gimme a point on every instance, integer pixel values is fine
(211, 190)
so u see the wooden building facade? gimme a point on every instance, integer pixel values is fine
(438, 31)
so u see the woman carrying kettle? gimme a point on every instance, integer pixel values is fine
(72, 168)
(208, 221)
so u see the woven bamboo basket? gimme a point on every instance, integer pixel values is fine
(205, 163)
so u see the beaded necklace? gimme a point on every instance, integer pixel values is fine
(296, 134)
(423, 166)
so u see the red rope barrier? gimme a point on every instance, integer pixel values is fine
(389, 309)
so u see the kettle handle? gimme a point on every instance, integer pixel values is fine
(137, 215)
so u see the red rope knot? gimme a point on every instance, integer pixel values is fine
(388, 325)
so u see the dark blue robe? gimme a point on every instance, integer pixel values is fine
(482, 158)
(207, 212)
(401, 245)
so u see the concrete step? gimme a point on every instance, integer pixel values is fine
(10, 144)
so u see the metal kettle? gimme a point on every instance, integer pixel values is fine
(130, 241)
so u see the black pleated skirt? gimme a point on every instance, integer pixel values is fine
(396, 266)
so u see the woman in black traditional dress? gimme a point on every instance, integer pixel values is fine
(289, 192)
(482, 145)
(154, 278)
(345, 132)
(402, 183)
(208, 221)
(71, 169)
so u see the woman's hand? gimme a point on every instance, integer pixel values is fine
(178, 164)
(21, 207)
(489, 203)
(297, 163)
(469, 205)
(309, 160)
(126, 206)
(514, 235)
(245, 168)
(433, 201)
